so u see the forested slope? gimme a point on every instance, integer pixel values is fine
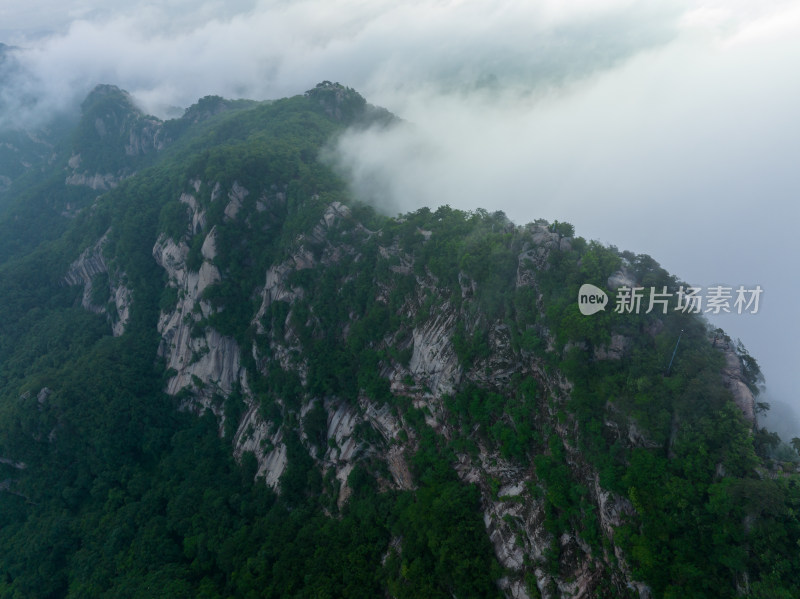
(222, 376)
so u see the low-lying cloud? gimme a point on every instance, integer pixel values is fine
(170, 54)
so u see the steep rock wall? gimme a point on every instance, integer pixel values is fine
(204, 361)
(85, 270)
(207, 364)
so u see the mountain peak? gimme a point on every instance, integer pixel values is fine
(106, 97)
(209, 106)
(111, 134)
(338, 102)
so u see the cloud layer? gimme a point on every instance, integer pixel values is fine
(172, 53)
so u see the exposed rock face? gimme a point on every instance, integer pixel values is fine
(514, 518)
(434, 362)
(342, 421)
(86, 270)
(88, 265)
(146, 136)
(276, 289)
(255, 435)
(273, 464)
(13, 463)
(121, 297)
(622, 278)
(236, 196)
(543, 236)
(205, 361)
(498, 369)
(198, 214)
(207, 366)
(734, 380)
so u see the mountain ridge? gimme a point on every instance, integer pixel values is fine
(356, 363)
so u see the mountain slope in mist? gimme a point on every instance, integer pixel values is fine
(221, 376)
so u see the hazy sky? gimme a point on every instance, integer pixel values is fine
(667, 128)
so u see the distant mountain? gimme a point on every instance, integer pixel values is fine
(23, 150)
(221, 376)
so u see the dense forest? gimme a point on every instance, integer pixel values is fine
(409, 406)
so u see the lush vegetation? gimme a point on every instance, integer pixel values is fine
(114, 491)
(108, 489)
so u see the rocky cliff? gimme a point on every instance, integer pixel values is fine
(207, 366)
(327, 345)
(104, 292)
